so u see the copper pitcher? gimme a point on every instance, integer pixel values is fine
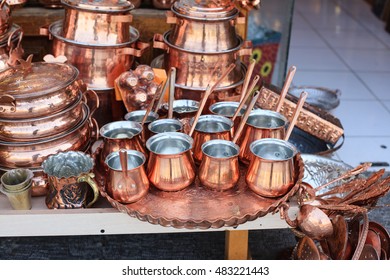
(171, 166)
(70, 181)
(261, 124)
(271, 172)
(127, 181)
(120, 135)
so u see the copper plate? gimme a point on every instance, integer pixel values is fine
(198, 207)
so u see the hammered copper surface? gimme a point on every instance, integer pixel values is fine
(314, 222)
(369, 253)
(383, 236)
(373, 239)
(199, 207)
(307, 249)
(338, 241)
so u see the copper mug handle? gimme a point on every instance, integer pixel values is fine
(88, 178)
(158, 42)
(137, 51)
(92, 95)
(7, 102)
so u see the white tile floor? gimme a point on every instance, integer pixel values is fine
(341, 44)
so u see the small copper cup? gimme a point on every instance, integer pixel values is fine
(127, 181)
(271, 172)
(219, 169)
(137, 116)
(228, 109)
(184, 110)
(165, 125)
(260, 124)
(170, 166)
(207, 128)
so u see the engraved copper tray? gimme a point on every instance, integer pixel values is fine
(199, 208)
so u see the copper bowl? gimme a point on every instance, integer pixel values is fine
(104, 22)
(32, 154)
(26, 130)
(43, 89)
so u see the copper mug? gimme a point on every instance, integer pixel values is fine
(127, 181)
(260, 124)
(271, 172)
(170, 166)
(70, 181)
(219, 169)
(120, 135)
(210, 127)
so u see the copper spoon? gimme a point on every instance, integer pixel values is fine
(149, 109)
(248, 76)
(298, 110)
(172, 82)
(286, 86)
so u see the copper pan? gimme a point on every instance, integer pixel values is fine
(194, 69)
(5, 17)
(42, 89)
(99, 65)
(97, 22)
(32, 154)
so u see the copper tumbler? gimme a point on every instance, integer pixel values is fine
(260, 124)
(219, 169)
(127, 182)
(170, 166)
(271, 172)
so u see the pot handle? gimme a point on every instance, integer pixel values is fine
(95, 128)
(88, 178)
(7, 103)
(92, 95)
(44, 31)
(138, 51)
(246, 49)
(158, 42)
(122, 18)
(171, 18)
(3, 3)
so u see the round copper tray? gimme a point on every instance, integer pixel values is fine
(198, 207)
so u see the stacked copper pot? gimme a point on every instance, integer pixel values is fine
(202, 43)
(10, 38)
(96, 37)
(42, 112)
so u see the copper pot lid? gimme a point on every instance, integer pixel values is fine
(39, 79)
(205, 9)
(100, 6)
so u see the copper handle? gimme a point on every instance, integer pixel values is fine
(248, 76)
(298, 109)
(286, 86)
(246, 49)
(172, 82)
(247, 95)
(122, 18)
(138, 51)
(171, 18)
(150, 107)
(92, 95)
(241, 20)
(123, 160)
(7, 102)
(164, 89)
(158, 42)
(95, 128)
(88, 178)
(82, 86)
(10, 40)
(44, 31)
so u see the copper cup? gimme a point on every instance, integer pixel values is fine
(170, 166)
(210, 127)
(260, 124)
(127, 182)
(184, 110)
(219, 169)
(137, 116)
(271, 172)
(165, 125)
(228, 109)
(120, 135)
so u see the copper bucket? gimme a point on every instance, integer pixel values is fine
(171, 166)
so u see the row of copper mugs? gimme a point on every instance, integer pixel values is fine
(43, 111)
(201, 40)
(97, 38)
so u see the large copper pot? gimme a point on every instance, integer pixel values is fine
(99, 65)
(32, 154)
(194, 69)
(105, 22)
(39, 90)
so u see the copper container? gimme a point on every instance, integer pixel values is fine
(271, 171)
(5, 17)
(165, 125)
(260, 124)
(205, 8)
(104, 22)
(227, 109)
(99, 65)
(43, 89)
(137, 116)
(32, 154)
(170, 165)
(127, 182)
(184, 110)
(26, 130)
(162, 4)
(120, 135)
(219, 169)
(210, 127)
(10, 43)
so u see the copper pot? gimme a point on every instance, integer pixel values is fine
(260, 124)
(227, 109)
(43, 89)
(32, 154)
(103, 22)
(162, 4)
(170, 166)
(5, 17)
(25, 130)
(194, 69)
(99, 65)
(204, 34)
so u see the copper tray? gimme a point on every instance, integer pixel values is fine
(199, 208)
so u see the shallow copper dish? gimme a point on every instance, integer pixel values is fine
(197, 207)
